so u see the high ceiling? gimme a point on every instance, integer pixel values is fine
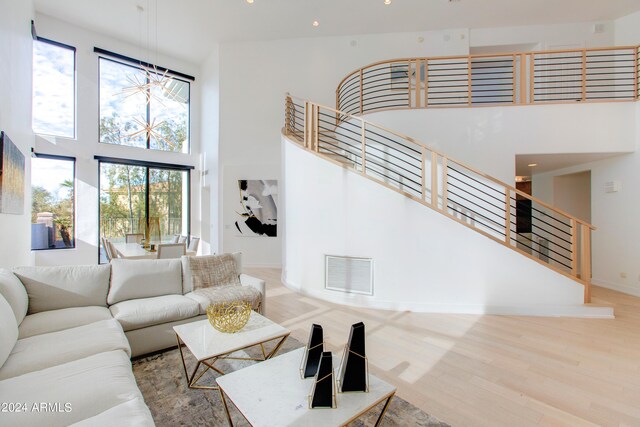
(187, 28)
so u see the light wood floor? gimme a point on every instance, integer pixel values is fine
(471, 370)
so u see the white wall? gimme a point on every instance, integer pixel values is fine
(86, 144)
(627, 30)
(254, 77)
(489, 138)
(572, 194)
(548, 37)
(15, 118)
(210, 126)
(423, 261)
(615, 243)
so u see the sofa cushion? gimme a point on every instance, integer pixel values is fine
(51, 288)
(132, 413)
(140, 313)
(226, 294)
(64, 318)
(9, 330)
(87, 386)
(47, 350)
(15, 293)
(210, 270)
(133, 279)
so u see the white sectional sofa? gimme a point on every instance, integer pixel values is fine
(67, 334)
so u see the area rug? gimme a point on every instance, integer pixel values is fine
(161, 379)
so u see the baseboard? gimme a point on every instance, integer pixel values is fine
(630, 290)
(580, 311)
(245, 265)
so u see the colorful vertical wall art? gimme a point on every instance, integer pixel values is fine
(11, 177)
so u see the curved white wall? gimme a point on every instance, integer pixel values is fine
(423, 261)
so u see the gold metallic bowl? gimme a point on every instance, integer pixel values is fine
(229, 317)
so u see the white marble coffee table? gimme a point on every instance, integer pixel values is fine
(272, 394)
(209, 345)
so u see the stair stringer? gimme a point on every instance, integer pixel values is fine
(423, 260)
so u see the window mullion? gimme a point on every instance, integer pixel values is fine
(148, 109)
(147, 202)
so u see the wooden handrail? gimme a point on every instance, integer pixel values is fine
(323, 141)
(450, 159)
(545, 90)
(486, 55)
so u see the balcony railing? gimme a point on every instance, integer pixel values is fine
(485, 204)
(543, 77)
(116, 228)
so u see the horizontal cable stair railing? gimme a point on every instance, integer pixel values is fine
(521, 78)
(472, 198)
(637, 82)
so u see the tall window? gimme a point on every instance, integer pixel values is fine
(147, 199)
(143, 107)
(52, 211)
(54, 66)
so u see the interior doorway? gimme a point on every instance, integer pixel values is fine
(572, 194)
(524, 216)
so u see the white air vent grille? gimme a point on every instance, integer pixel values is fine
(348, 274)
(612, 186)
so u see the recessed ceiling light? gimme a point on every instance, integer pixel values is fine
(315, 23)
(250, 1)
(387, 2)
(532, 165)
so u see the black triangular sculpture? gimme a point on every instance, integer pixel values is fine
(322, 393)
(313, 352)
(354, 371)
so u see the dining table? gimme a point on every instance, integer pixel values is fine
(136, 251)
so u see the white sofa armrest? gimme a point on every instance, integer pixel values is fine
(259, 284)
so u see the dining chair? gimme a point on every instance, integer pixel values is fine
(182, 239)
(134, 238)
(193, 245)
(171, 250)
(114, 251)
(175, 238)
(107, 248)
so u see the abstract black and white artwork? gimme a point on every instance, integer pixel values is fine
(258, 212)
(11, 177)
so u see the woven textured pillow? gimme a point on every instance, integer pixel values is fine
(213, 271)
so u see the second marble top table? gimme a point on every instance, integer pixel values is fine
(273, 394)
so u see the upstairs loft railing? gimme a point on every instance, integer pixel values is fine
(470, 197)
(544, 77)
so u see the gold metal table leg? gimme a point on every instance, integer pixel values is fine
(384, 410)
(277, 347)
(194, 377)
(264, 355)
(184, 365)
(210, 364)
(226, 408)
